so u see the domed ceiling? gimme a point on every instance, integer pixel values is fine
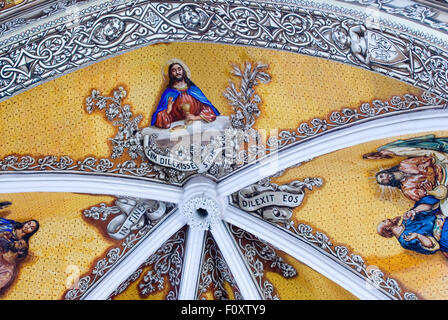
(223, 150)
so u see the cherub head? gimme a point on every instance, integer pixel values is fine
(340, 37)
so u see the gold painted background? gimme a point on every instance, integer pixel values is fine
(10, 3)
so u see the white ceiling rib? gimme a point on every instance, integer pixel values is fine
(88, 183)
(237, 265)
(194, 249)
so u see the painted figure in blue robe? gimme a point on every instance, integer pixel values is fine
(14, 238)
(182, 100)
(422, 229)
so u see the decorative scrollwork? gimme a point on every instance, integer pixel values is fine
(260, 256)
(101, 212)
(215, 273)
(88, 165)
(244, 100)
(373, 276)
(129, 135)
(116, 26)
(167, 261)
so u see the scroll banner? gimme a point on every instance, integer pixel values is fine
(167, 161)
(127, 222)
(270, 198)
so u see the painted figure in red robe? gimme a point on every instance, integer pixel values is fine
(182, 100)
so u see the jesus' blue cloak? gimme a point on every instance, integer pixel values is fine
(193, 91)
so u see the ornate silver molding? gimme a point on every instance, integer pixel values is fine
(89, 165)
(166, 262)
(259, 256)
(423, 12)
(215, 273)
(29, 12)
(350, 116)
(27, 61)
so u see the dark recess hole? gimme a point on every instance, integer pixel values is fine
(202, 212)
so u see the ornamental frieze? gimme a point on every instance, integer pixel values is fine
(26, 62)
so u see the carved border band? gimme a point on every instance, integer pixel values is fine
(28, 59)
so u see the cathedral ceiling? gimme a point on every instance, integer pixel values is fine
(132, 132)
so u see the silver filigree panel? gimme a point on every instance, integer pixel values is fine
(27, 61)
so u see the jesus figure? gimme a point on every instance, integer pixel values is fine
(182, 100)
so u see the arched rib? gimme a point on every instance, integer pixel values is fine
(305, 253)
(156, 237)
(194, 250)
(391, 126)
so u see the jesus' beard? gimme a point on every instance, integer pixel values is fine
(393, 180)
(174, 81)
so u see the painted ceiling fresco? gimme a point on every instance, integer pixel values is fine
(349, 205)
(135, 81)
(169, 152)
